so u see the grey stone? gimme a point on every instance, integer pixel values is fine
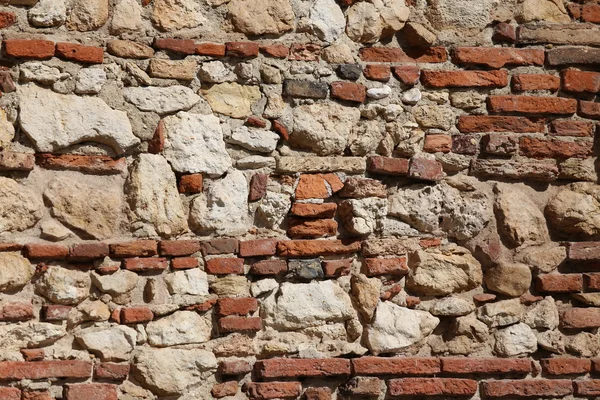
(161, 100)
(305, 270)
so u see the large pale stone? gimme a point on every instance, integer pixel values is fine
(172, 371)
(54, 121)
(439, 117)
(88, 15)
(326, 20)
(519, 218)
(223, 207)
(501, 313)
(259, 17)
(323, 128)
(576, 210)
(127, 17)
(510, 279)
(181, 327)
(460, 14)
(441, 272)
(90, 81)
(48, 13)
(544, 258)
(452, 307)
(194, 143)
(30, 335)
(259, 140)
(189, 282)
(231, 286)
(543, 315)
(363, 216)
(34, 71)
(515, 340)
(322, 302)
(7, 130)
(232, 99)
(172, 15)
(15, 271)
(153, 196)
(93, 212)
(364, 23)
(19, 207)
(161, 100)
(396, 328)
(273, 209)
(64, 286)
(121, 282)
(113, 344)
(542, 10)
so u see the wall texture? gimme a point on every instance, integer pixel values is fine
(299, 199)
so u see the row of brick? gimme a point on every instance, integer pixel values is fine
(96, 391)
(568, 283)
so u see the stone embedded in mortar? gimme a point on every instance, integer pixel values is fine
(452, 307)
(88, 15)
(232, 99)
(20, 208)
(30, 335)
(172, 15)
(365, 294)
(367, 21)
(215, 72)
(260, 17)
(544, 258)
(273, 209)
(15, 271)
(64, 286)
(439, 117)
(362, 216)
(112, 344)
(127, 17)
(181, 327)
(501, 313)
(161, 100)
(48, 13)
(55, 121)
(34, 71)
(7, 130)
(575, 210)
(542, 10)
(542, 315)
(509, 279)
(515, 340)
(395, 328)
(90, 81)
(194, 143)
(119, 283)
(153, 197)
(259, 140)
(326, 20)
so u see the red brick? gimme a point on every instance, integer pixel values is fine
(559, 283)
(13, 161)
(305, 52)
(88, 251)
(590, 13)
(15, 312)
(311, 186)
(569, 127)
(241, 49)
(465, 144)
(55, 312)
(7, 19)
(535, 82)
(498, 57)
(275, 50)
(210, 49)
(580, 81)
(234, 367)
(80, 53)
(220, 246)
(102, 165)
(349, 91)
(424, 169)
(492, 123)
(581, 318)
(35, 395)
(46, 251)
(574, 10)
(255, 122)
(240, 324)
(437, 143)
(584, 251)
(207, 305)
(587, 387)
(9, 393)
(485, 366)
(532, 105)
(236, 306)
(592, 281)
(184, 263)
(387, 165)
(181, 46)
(389, 54)
(589, 109)
(223, 266)
(269, 267)
(281, 129)
(504, 32)
(301, 368)
(11, 247)
(258, 247)
(91, 391)
(395, 366)
(258, 187)
(527, 388)
(456, 79)
(386, 266)
(17, 370)
(145, 264)
(24, 48)
(310, 210)
(273, 390)
(432, 387)
(377, 72)
(111, 371)
(136, 315)
(320, 393)
(191, 183)
(224, 389)
(33, 354)
(138, 248)
(554, 148)
(336, 268)
(178, 247)
(407, 74)
(313, 248)
(303, 228)
(566, 366)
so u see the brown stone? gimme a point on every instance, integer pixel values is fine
(258, 187)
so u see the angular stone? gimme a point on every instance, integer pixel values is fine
(544, 171)
(48, 13)
(189, 282)
(271, 17)
(575, 210)
(127, 17)
(515, 340)
(56, 121)
(232, 99)
(161, 100)
(326, 20)
(362, 217)
(15, 271)
(113, 344)
(542, 10)
(90, 81)
(259, 140)
(181, 327)
(194, 143)
(172, 15)
(64, 286)
(434, 117)
(173, 69)
(501, 313)
(153, 196)
(542, 315)
(29, 335)
(88, 15)
(291, 164)
(7, 130)
(20, 208)
(452, 307)
(273, 209)
(215, 72)
(121, 282)
(365, 293)
(510, 279)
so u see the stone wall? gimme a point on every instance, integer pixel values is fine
(299, 199)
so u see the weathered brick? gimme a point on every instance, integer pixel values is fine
(145, 264)
(17, 370)
(310, 210)
(34, 395)
(46, 251)
(362, 386)
(573, 55)
(224, 389)
(544, 171)
(234, 367)
(240, 324)
(456, 79)
(52, 312)
(184, 263)
(587, 388)
(554, 148)
(178, 247)
(191, 183)
(589, 109)
(559, 283)
(407, 74)
(33, 49)
(138, 248)
(336, 268)
(391, 54)
(532, 105)
(424, 169)
(275, 50)
(210, 49)
(305, 89)
(438, 143)
(465, 144)
(486, 366)
(258, 247)
(349, 91)
(504, 32)
(535, 82)
(80, 53)
(33, 354)
(569, 127)
(7, 19)
(101, 165)
(581, 318)
(558, 34)
(236, 306)
(498, 57)
(318, 393)
(387, 165)
(395, 366)
(566, 366)
(91, 391)
(584, 251)
(301, 368)
(527, 388)
(88, 251)
(377, 72)
(136, 315)
(280, 128)
(313, 186)
(15, 312)
(302, 228)
(111, 371)
(223, 266)
(9, 393)
(241, 49)
(258, 187)
(180, 46)
(580, 81)
(220, 246)
(313, 248)
(268, 267)
(590, 13)
(13, 161)
(386, 266)
(432, 387)
(497, 123)
(304, 52)
(273, 390)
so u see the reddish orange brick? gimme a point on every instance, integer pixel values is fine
(91, 391)
(559, 283)
(35, 395)
(377, 72)
(136, 315)
(240, 324)
(532, 105)
(390, 54)
(102, 165)
(311, 186)
(273, 390)
(223, 266)
(313, 248)
(566, 366)
(438, 143)
(138, 264)
(138, 248)
(17, 370)
(258, 247)
(111, 371)
(349, 91)
(275, 50)
(535, 82)
(269, 267)
(580, 81)
(210, 49)
(181, 46)
(184, 263)
(241, 49)
(7, 19)
(9, 393)
(445, 79)
(55, 312)
(581, 318)
(33, 49)
(15, 312)
(432, 387)
(80, 53)
(387, 165)
(554, 148)
(301, 368)
(299, 228)
(33, 354)
(234, 367)
(407, 74)
(568, 127)
(527, 388)
(88, 251)
(46, 251)
(395, 366)
(336, 268)
(192, 183)
(491, 123)
(590, 13)
(310, 210)
(498, 57)
(319, 393)
(486, 366)
(386, 266)
(178, 247)
(589, 109)
(587, 387)
(236, 306)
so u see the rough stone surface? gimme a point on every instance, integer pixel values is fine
(19, 207)
(88, 15)
(64, 286)
(510, 279)
(576, 210)
(232, 99)
(15, 271)
(181, 327)
(112, 344)
(161, 100)
(171, 15)
(272, 17)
